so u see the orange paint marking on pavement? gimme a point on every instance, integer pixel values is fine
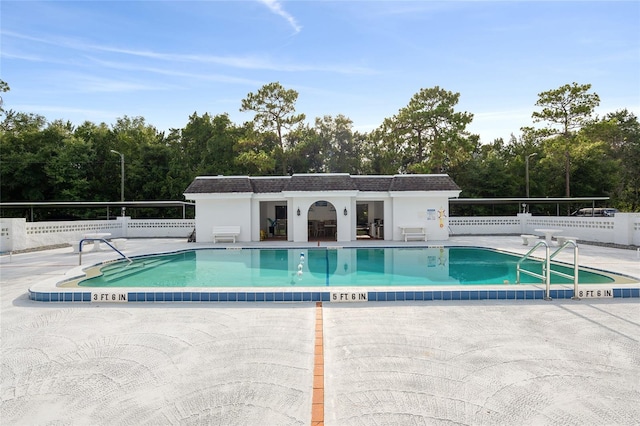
(317, 406)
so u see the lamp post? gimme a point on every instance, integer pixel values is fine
(121, 178)
(526, 164)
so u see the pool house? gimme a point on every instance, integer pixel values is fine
(330, 207)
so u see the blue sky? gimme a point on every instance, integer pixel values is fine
(164, 60)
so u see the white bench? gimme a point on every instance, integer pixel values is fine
(563, 239)
(225, 233)
(527, 239)
(119, 243)
(75, 245)
(86, 246)
(419, 232)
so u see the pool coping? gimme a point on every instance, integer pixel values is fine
(50, 291)
(131, 296)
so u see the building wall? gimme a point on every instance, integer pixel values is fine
(299, 224)
(430, 211)
(236, 211)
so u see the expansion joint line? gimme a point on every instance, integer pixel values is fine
(317, 406)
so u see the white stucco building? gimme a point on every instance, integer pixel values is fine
(340, 207)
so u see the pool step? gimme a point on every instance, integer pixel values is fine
(117, 272)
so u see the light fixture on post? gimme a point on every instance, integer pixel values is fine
(526, 164)
(344, 211)
(298, 212)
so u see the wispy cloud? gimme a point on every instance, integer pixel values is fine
(62, 110)
(173, 73)
(276, 7)
(84, 83)
(244, 62)
(22, 57)
(250, 62)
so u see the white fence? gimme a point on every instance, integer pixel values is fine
(623, 229)
(490, 225)
(17, 234)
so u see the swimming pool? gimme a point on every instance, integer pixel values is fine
(449, 278)
(348, 267)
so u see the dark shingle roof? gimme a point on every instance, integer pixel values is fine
(373, 183)
(268, 185)
(423, 183)
(321, 182)
(219, 184)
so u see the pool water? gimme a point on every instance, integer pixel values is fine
(352, 267)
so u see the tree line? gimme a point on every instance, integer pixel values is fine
(570, 152)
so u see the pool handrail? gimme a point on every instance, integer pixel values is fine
(101, 240)
(575, 265)
(546, 266)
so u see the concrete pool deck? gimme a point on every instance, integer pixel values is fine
(436, 362)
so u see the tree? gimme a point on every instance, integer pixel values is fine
(24, 151)
(4, 87)
(491, 172)
(593, 168)
(141, 144)
(275, 110)
(384, 152)
(336, 139)
(307, 153)
(256, 152)
(68, 169)
(428, 135)
(153, 186)
(620, 131)
(104, 169)
(565, 110)
(55, 161)
(207, 144)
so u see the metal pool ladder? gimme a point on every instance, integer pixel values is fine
(546, 266)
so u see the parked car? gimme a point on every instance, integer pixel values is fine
(597, 212)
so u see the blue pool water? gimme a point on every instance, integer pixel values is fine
(349, 267)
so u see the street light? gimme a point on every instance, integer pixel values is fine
(526, 163)
(121, 177)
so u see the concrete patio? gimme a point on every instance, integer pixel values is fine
(421, 363)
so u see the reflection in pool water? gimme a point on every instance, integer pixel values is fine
(325, 267)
